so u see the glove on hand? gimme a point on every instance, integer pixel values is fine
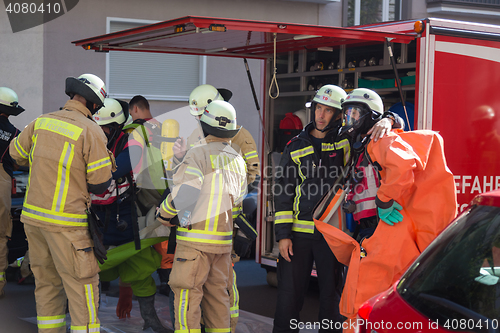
(124, 305)
(391, 215)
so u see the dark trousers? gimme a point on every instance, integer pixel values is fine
(293, 281)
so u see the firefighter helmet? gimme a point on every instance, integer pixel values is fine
(219, 119)
(113, 111)
(9, 103)
(362, 108)
(89, 86)
(332, 96)
(203, 95)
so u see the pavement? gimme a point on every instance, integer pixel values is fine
(257, 305)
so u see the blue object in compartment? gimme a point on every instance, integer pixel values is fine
(399, 110)
(17, 202)
(350, 223)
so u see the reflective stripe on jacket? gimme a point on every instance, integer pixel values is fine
(242, 142)
(302, 178)
(65, 150)
(216, 174)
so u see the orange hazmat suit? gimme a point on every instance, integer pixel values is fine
(414, 174)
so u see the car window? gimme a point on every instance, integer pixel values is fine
(458, 275)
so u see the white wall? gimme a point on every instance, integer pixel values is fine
(21, 68)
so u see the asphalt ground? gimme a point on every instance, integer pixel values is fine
(257, 305)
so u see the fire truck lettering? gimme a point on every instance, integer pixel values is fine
(476, 186)
(465, 183)
(489, 183)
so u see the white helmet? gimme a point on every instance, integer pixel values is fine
(368, 97)
(203, 95)
(219, 119)
(362, 108)
(302, 114)
(89, 86)
(330, 95)
(113, 111)
(9, 103)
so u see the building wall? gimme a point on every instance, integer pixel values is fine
(21, 68)
(88, 18)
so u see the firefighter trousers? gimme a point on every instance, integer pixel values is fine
(234, 299)
(65, 268)
(5, 223)
(293, 281)
(200, 278)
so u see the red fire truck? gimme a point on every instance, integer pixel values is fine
(449, 72)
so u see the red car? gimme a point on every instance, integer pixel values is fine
(453, 286)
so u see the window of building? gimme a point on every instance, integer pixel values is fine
(156, 76)
(360, 12)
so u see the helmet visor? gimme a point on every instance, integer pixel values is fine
(353, 114)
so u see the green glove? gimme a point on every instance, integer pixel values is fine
(391, 215)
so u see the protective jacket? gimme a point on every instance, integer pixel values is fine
(7, 133)
(413, 173)
(242, 142)
(145, 156)
(209, 182)
(66, 152)
(123, 183)
(305, 174)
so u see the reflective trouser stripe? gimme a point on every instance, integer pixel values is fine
(89, 296)
(45, 322)
(94, 328)
(183, 307)
(83, 329)
(196, 330)
(2, 276)
(217, 330)
(235, 307)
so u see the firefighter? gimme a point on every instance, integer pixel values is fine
(403, 179)
(244, 217)
(361, 110)
(310, 164)
(9, 106)
(67, 155)
(209, 182)
(114, 207)
(149, 197)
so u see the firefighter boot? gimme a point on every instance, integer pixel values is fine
(148, 313)
(164, 275)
